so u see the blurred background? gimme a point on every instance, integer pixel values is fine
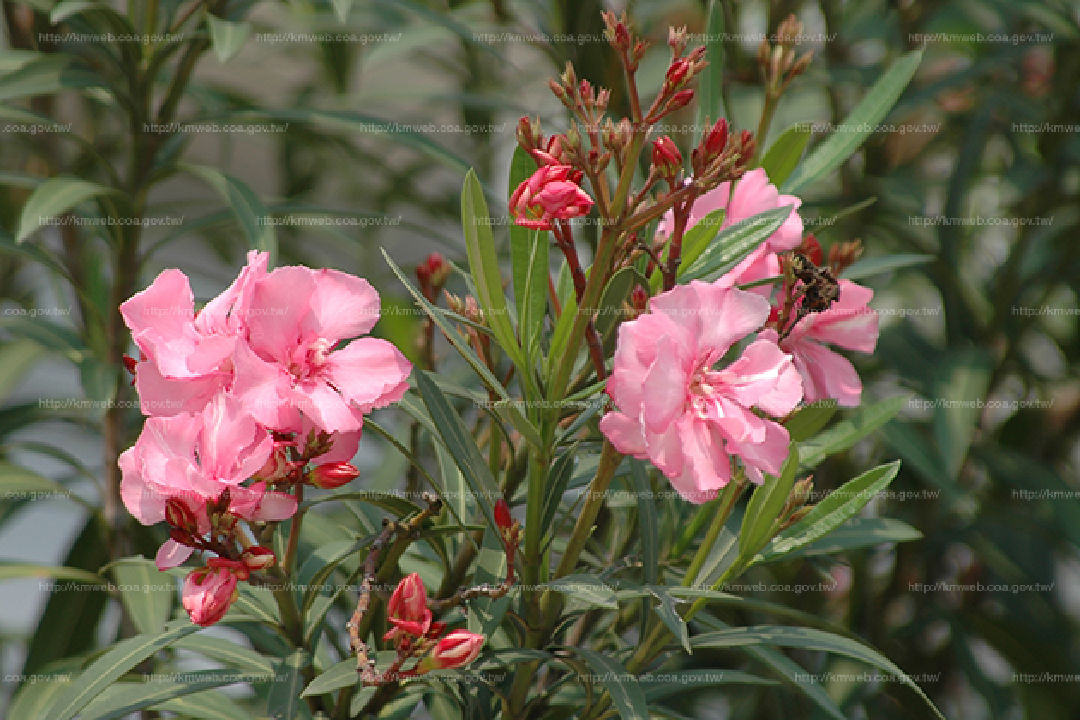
(351, 126)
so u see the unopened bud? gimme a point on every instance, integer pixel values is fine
(677, 73)
(666, 158)
(332, 475)
(503, 519)
(679, 100)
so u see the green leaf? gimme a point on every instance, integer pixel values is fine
(528, 259)
(283, 701)
(462, 447)
(670, 616)
(734, 243)
(122, 699)
(557, 481)
(960, 382)
(868, 267)
(846, 433)
(648, 524)
(342, 674)
(146, 592)
(830, 513)
(626, 693)
(796, 675)
(484, 266)
(809, 420)
(227, 652)
(700, 236)
(618, 289)
(205, 705)
(250, 212)
(859, 533)
(858, 126)
(685, 681)
(32, 699)
(711, 80)
(17, 358)
(36, 74)
(321, 564)
(763, 510)
(227, 37)
(13, 570)
(585, 590)
(808, 639)
(785, 152)
(391, 502)
(54, 197)
(121, 658)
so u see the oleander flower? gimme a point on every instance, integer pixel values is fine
(551, 193)
(186, 357)
(680, 409)
(457, 649)
(289, 369)
(849, 323)
(407, 609)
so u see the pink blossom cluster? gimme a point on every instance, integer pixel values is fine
(253, 387)
(689, 401)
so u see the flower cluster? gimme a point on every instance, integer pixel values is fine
(415, 635)
(684, 404)
(251, 387)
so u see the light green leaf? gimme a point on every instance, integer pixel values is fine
(122, 699)
(858, 126)
(846, 433)
(785, 152)
(807, 421)
(648, 523)
(858, 533)
(830, 513)
(626, 693)
(763, 510)
(700, 236)
(227, 652)
(669, 614)
(342, 674)
(462, 447)
(205, 705)
(808, 639)
(796, 675)
(734, 243)
(147, 593)
(104, 671)
(13, 570)
(528, 258)
(868, 267)
(711, 80)
(283, 701)
(341, 9)
(35, 74)
(227, 37)
(685, 681)
(54, 197)
(585, 590)
(250, 212)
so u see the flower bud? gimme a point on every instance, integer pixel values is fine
(666, 158)
(457, 649)
(716, 139)
(407, 609)
(332, 475)
(502, 515)
(677, 73)
(208, 593)
(258, 557)
(679, 100)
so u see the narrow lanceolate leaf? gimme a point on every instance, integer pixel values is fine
(711, 99)
(462, 447)
(122, 699)
(868, 267)
(626, 693)
(54, 197)
(283, 701)
(528, 258)
(484, 266)
(870, 111)
(668, 612)
(251, 214)
(831, 512)
(341, 9)
(809, 639)
(227, 37)
(784, 154)
(858, 532)
(846, 433)
(147, 593)
(734, 243)
(795, 674)
(112, 665)
(205, 705)
(763, 510)
(10, 570)
(585, 590)
(343, 674)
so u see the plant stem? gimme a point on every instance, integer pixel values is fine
(594, 500)
(732, 493)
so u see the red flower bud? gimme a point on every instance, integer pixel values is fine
(457, 649)
(332, 475)
(678, 100)
(502, 514)
(258, 557)
(180, 516)
(677, 73)
(208, 593)
(666, 158)
(716, 139)
(551, 193)
(407, 609)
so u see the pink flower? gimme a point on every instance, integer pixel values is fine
(685, 415)
(849, 323)
(551, 193)
(186, 357)
(457, 649)
(407, 609)
(753, 194)
(194, 459)
(208, 593)
(288, 369)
